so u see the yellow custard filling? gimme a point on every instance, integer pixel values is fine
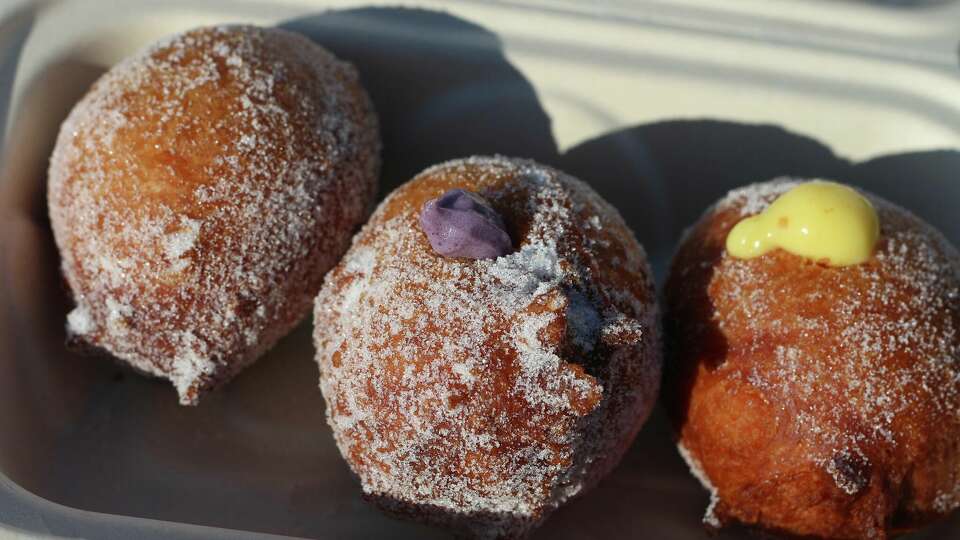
(823, 221)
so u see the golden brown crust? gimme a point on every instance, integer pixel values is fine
(482, 394)
(817, 401)
(199, 192)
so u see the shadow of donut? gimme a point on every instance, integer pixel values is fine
(441, 86)
(33, 296)
(926, 183)
(662, 176)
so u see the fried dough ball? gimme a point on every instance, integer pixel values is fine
(199, 192)
(812, 400)
(480, 394)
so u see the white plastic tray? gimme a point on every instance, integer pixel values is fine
(661, 106)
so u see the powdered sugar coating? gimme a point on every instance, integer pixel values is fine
(199, 192)
(860, 365)
(482, 394)
(696, 469)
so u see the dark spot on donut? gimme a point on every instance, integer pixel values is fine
(852, 472)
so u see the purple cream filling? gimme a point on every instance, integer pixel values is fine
(462, 224)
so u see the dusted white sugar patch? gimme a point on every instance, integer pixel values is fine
(79, 321)
(947, 501)
(361, 265)
(189, 367)
(539, 364)
(696, 469)
(528, 273)
(384, 306)
(189, 249)
(183, 239)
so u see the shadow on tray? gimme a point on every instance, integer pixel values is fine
(441, 87)
(662, 176)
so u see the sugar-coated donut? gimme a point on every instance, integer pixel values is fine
(816, 400)
(481, 393)
(199, 192)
